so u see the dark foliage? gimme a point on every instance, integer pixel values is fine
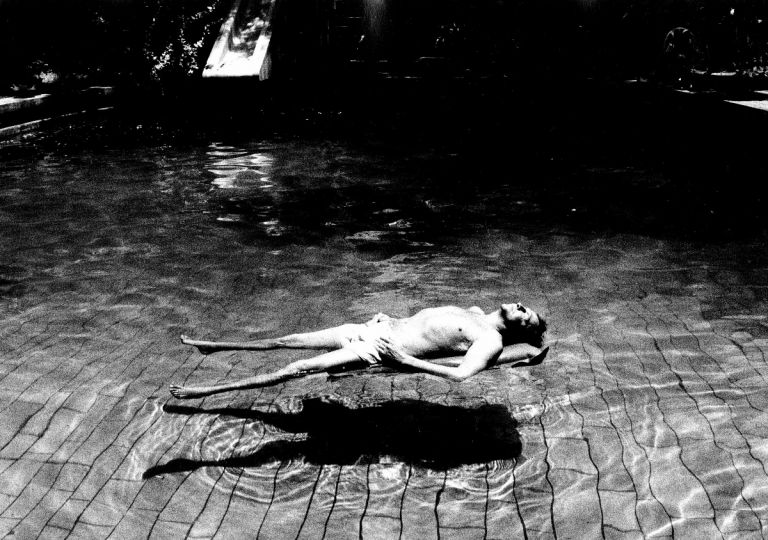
(44, 43)
(48, 43)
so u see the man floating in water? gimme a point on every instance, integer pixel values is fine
(511, 333)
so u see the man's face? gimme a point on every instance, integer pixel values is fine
(519, 314)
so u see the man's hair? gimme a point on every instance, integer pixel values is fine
(533, 335)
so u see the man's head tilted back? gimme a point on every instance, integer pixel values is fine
(523, 324)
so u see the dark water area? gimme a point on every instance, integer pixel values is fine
(587, 157)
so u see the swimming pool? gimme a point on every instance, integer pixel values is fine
(647, 418)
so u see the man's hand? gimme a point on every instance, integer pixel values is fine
(390, 352)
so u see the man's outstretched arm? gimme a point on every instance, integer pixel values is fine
(517, 354)
(480, 355)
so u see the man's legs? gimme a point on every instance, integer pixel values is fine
(330, 338)
(301, 367)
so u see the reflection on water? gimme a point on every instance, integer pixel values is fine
(234, 169)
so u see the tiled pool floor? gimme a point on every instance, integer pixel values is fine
(648, 418)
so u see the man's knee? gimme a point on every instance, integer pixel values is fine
(296, 367)
(288, 341)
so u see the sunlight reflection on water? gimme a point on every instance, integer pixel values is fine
(233, 169)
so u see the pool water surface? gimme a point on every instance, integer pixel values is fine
(648, 417)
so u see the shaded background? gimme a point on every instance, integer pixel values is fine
(137, 42)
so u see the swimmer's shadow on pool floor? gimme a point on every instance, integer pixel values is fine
(410, 431)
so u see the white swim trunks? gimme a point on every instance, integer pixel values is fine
(361, 338)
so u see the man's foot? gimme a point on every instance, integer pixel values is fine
(205, 347)
(184, 392)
